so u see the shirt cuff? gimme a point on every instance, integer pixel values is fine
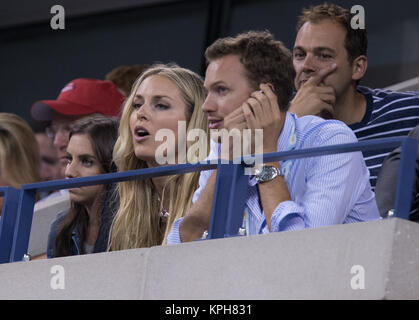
(287, 216)
(252, 181)
(174, 237)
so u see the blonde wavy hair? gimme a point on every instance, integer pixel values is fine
(19, 151)
(137, 222)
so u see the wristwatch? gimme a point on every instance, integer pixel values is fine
(267, 173)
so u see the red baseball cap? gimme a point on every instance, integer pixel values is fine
(82, 97)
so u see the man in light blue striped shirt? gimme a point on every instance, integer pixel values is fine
(249, 83)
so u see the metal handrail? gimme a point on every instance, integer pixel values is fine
(229, 194)
(7, 220)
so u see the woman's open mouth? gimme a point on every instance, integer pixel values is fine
(140, 133)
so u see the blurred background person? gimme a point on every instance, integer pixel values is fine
(124, 76)
(79, 98)
(50, 167)
(385, 192)
(19, 152)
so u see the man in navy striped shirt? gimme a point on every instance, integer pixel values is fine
(249, 84)
(329, 58)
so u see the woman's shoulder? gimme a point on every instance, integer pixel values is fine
(55, 224)
(53, 231)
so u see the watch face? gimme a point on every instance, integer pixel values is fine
(266, 174)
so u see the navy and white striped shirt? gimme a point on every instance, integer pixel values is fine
(325, 190)
(388, 114)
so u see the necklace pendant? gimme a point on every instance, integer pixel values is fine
(163, 214)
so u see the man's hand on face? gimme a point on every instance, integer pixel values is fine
(259, 111)
(313, 97)
(233, 121)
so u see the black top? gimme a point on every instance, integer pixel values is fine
(385, 192)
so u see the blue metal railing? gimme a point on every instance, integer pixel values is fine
(229, 194)
(7, 221)
(227, 222)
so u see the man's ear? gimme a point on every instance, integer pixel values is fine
(271, 86)
(359, 67)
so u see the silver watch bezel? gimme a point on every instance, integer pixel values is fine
(260, 172)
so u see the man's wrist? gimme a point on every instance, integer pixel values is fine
(267, 173)
(273, 164)
(269, 149)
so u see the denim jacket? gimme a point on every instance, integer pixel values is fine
(103, 235)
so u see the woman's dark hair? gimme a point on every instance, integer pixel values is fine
(103, 133)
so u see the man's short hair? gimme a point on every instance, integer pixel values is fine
(356, 40)
(124, 76)
(264, 59)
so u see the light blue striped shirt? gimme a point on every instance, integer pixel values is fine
(325, 190)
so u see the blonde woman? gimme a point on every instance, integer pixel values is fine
(19, 152)
(164, 97)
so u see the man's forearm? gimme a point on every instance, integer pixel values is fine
(197, 219)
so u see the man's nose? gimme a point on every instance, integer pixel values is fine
(61, 139)
(209, 105)
(309, 64)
